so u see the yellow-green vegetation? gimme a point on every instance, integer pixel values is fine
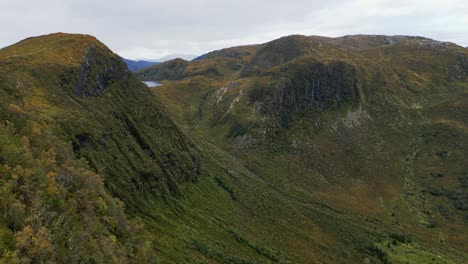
(371, 128)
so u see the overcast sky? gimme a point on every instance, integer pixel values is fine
(155, 28)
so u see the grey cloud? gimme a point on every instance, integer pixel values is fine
(151, 29)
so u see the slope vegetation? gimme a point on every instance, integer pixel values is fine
(369, 126)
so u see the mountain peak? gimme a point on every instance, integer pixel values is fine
(56, 48)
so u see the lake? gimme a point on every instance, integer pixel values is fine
(152, 83)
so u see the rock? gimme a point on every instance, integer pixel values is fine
(437, 175)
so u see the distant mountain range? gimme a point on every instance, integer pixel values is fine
(187, 57)
(140, 64)
(135, 65)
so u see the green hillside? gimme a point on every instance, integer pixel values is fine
(369, 126)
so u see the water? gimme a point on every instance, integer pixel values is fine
(152, 83)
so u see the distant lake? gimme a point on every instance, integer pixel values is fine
(152, 83)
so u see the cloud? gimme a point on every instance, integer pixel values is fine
(151, 29)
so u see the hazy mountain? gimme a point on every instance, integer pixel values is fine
(187, 57)
(140, 64)
(135, 65)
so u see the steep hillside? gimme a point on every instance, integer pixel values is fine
(368, 125)
(91, 99)
(56, 208)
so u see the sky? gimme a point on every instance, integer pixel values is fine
(151, 29)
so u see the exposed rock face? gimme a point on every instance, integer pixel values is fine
(320, 84)
(312, 86)
(91, 81)
(461, 68)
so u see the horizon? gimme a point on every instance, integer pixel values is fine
(168, 57)
(154, 29)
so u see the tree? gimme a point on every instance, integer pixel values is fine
(35, 245)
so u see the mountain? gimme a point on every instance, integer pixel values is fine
(183, 56)
(370, 127)
(81, 139)
(136, 65)
(169, 70)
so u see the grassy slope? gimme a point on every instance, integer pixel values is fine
(412, 97)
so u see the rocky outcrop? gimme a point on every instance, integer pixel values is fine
(310, 87)
(98, 72)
